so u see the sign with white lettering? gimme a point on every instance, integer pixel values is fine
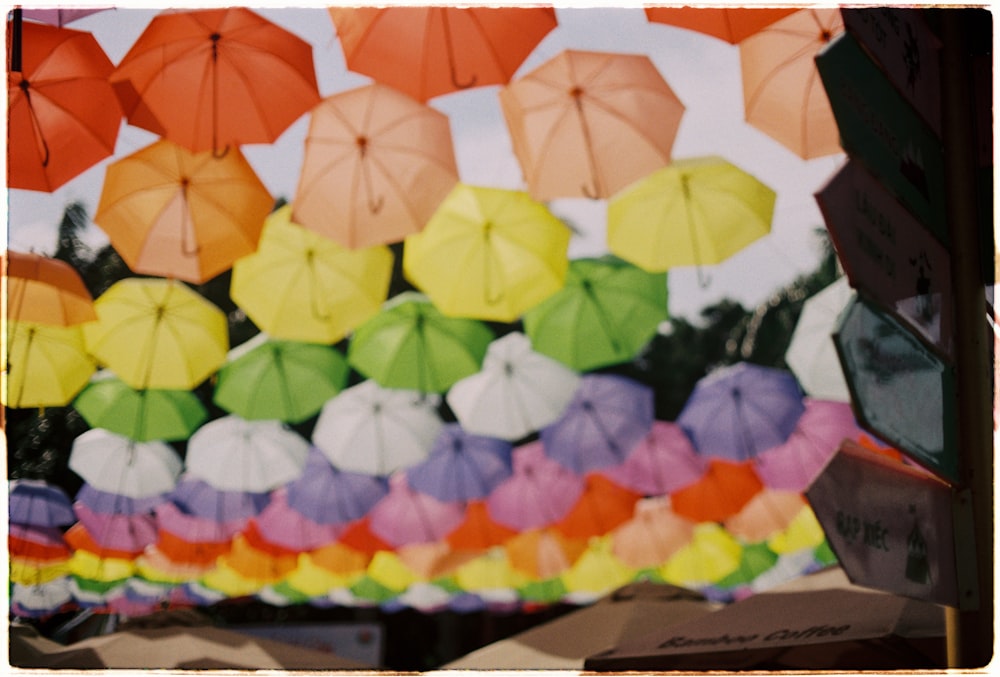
(900, 389)
(903, 44)
(887, 254)
(881, 130)
(889, 525)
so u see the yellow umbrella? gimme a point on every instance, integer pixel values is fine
(804, 531)
(36, 572)
(92, 567)
(598, 570)
(314, 580)
(340, 559)
(302, 286)
(230, 582)
(489, 571)
(488, 253)
(388, 570)
(711, 555)
(44, 366)
(693, 212)
(156, 333)
(154, 565)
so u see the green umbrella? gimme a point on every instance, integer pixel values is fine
(272, 379)
(605, 314)
(754, 561)
(141, 415)
(411, 345)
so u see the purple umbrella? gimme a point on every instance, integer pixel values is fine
(327, 495)
(461, 466)
(59, 17)
(110, 503)
(608, 416)
(38, 503)
(538, 493)
(408, 516)
(194, 496)
(736, 412)
(131, 533)
(663, 462)
(281, 525)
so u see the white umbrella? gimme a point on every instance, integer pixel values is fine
(376, 431)
(233, 454)
(517, 391)
(114, 463)
(40, 599)
(811, 354)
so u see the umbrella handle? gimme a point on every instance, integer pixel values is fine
(219, 155)
(588, 192)
(451, 54)
(36, 125)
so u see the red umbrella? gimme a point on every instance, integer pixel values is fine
(603, 506)
(731, 24)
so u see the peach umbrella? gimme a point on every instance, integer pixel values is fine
(766, 514)
(377, 164)
(45, 290)
(731, 24)
(587, 124)
(782, 93)
(653, 534)
(543, 554)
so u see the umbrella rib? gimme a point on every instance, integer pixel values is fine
(790, 60)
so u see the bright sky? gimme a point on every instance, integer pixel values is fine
(703, 71)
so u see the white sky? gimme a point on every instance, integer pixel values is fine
(703, 71)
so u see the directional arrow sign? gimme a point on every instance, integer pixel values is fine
(891, 526)
(901, 391)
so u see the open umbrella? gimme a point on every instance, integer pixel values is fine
(488, 253)
(724, 489)
(38, 503)
(173, 213)
(479, 531)
(116, 464)
(596, 572)
(653, 535)
(328, 495)
(711, 555)
(732, 24)
(233, 454)
(45, 290)
(587, 124)
(195, 496)
(46, 366)
(142, 415)
(407, 516)
(539, 492)
(607, 311)
(36, 542)
(78, 537)
(111, 503)
(608, 416)
(411, 345)
(128, 533)
(156, 333)
(429, 51)
(302, 286)
(738, 411)
(543, 554)
(811, 353)
(58, 17)
(39, 601)
(516, 392)
(782, 93)
(242, 78)
(282, 525)
(62, 115)
(693, 212)
(289, 381)
(601, 507)
(768, 513)
(662, 462)
(461, 466)
(376, 166)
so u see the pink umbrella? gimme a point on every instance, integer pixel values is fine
(663, 462)
(59, 17)
(130, 533)
(794, 464)
(407, 516)
(540, 491)
(193, 528)
(281, 525)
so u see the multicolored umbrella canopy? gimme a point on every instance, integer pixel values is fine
(45, 290)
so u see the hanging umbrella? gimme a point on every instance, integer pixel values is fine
(488, 253)
(142, 415)
(490, 576)
(340, 559)
(461, 466)
(359, 537)
(597, 572)
(411, 345)
(233, 454)
(607, 311)
(517, 391)
(284, 526)
(289, 381)
(653, 535)
(79, 539)
(173, 213)
(128, 533)
(328, 495)
(538, 493)
(376, 166)
(112, 503)
(587, 124)
(608, 416)
(36, 543)
(38, 503)
(407, 516)
(738, 411)
(429, 51)
(373, 430)
(782, 93)
(116, 464)
(602, 506)
(711, 555)
(156, 333)
(58, 17)
(811, 353)
(37, 572)
(301, 286)
(755, 561)
(804, 532)
(62, 115)
(543, 554)
(241, 78)
(662, 462)
(768, 513)
(46, 366)
(44, 290)
(195, 496)
(479, 532)
(724, 489)
(693, 212)
(39, 601)
(732, 24)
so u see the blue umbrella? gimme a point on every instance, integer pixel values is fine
(327, 495)
(38, 503)
(608, 417)
(462, 466)
(197, 497)
(738, 411)
(110, 503)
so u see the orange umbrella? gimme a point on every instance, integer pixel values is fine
(653, 535)
(182, 551)
(766, 514)
(731, 24)
(213, 78)
(45, 290)
(377, 164)
(587, 124)
(428, 51)
(339, 558)
(62, 115)
(722, 491)
(543, 553)
(173, 213)
(478, 531)
(782, 93)
(602, 506)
